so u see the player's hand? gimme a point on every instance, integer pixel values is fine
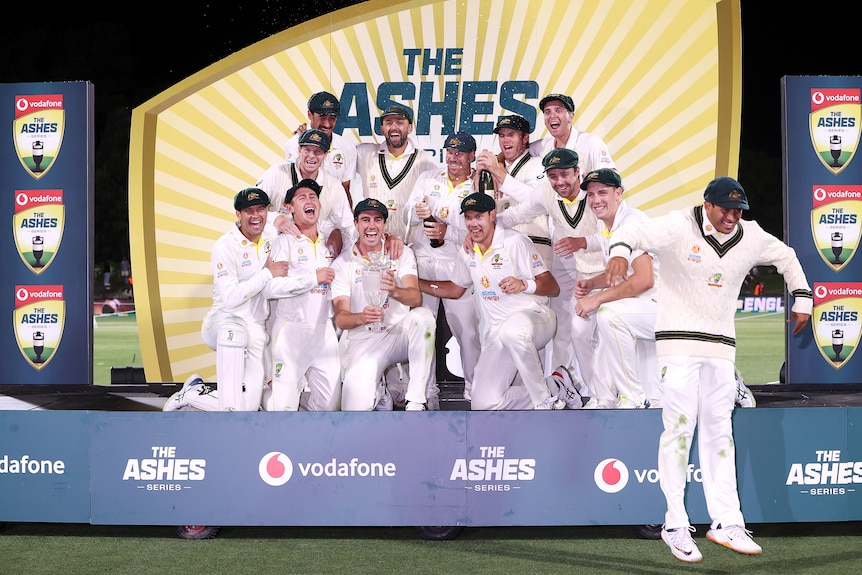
(335, 242)
(582, 289)
(387, 281)
(799, 321)
(512, 285)
(325, 275)
(568, 246)
(423, 210)
(393, 246)
(585, 306)
(615, 272)
(285, 225)
(435, 230)
(371, 314)
(277, 269)
(468, 244)
(300, 129)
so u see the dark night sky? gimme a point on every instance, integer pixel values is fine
(130, 59)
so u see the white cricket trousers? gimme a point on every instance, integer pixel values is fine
(368, 354)
(509, 348)
(698, 391)
(305, 354)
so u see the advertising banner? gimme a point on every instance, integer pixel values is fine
(47, 255)
(822, 117)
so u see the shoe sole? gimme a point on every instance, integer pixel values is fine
(731, 547)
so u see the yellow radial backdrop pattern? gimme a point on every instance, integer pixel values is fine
(658, 80)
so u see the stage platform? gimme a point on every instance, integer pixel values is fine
(151, 396)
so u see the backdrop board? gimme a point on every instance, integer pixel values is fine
(822, 119)
(46, 196)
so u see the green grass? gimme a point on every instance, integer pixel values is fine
(760, 346)
(789, 549)
(115, 344)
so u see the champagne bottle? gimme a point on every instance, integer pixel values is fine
(434, 243)
(486, 183)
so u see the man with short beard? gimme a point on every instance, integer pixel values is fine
(388, 170)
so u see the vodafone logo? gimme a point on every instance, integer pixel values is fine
(275, 468)
(611, 475)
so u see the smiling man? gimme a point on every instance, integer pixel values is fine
(303, 340)
(705, 252)
(408, 332)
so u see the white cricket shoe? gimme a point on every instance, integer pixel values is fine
(414, 406)
(681, 544)
(735, 537)
(570, 391)
(744, 397)
(552, 403)
(179, 400)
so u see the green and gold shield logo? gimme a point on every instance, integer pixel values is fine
(40, 314)
(834, 124)
(835, 320)
(38, 131)
(38, 226)
(836, 222)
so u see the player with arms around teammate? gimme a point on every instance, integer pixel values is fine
(304, 343)
(513, 286)
(408, 329)
(705, 253)
(235, 325)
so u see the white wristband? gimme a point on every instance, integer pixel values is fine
(531, 286)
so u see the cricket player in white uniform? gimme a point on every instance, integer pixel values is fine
(623, 314)
(516, 161)
(389, 170)
(704, 252)
(408, 332)
(513, 285)
(304, 343)
(438, 193)
(559, 111)
(561, 198)
(335, 215)
(323, 111)
(235, 325)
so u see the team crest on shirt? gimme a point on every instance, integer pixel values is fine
(715, 280)
(835, 320)
(444, 212)
(497, 262)
(834, 125)
(338, 159)
(836, 222)
(485, 282)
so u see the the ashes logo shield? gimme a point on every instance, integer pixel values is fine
(40, 314)
(38, 226)
(836, 222)
(38, 131)
(834, 124)
(835, 320)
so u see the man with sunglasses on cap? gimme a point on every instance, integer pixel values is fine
(235, 325)
(512, 286)
(303, 340)
(437, 195)
(323, 111)
(308, 163)
(401, 331)
(515, 162)
(559, 112)
(704, 252)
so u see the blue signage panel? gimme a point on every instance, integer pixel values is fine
(822, 117)
(45, 466)
(47, 259)
(378, 468)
